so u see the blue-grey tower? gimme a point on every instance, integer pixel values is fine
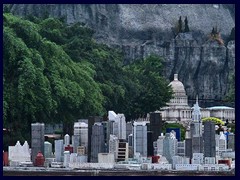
(97, 141)
(209, 139)
(37, 143)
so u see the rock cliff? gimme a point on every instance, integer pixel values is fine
(142, 29)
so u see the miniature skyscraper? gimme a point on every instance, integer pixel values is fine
(156, 125)
(154, 131)
(188, 143)
(169, 146)
(91, 121)
(97, 141)
(37, 139)
(140, 138)
(209, 139)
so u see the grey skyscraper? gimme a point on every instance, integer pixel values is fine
(158, 145)
(106, 135)
(80, 137)
(140, 138)
(169, 146)
(155, 129)
(155, 125)
(113, 145)
(91, 121)
(37, 139)
(231, 142)
(129, 128)
(188, 144)
(150, 151)
(209, 139)
(59, 150)
(197, 144)
(97, 141)
(118, 124)
(47, 149)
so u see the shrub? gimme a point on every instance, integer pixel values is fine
(213, 119)
(215, 35)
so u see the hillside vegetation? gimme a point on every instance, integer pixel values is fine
(55, 73)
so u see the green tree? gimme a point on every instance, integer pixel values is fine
(55, 73)
(152, 90)
(180, 25)
(186, 28)
(41, 82)
(77, 41)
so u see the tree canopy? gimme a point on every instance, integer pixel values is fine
(151, 90)
(41, 81)
(54, 72)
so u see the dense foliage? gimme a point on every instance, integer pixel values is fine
(148, 89)
(55, 72)
(41, 81)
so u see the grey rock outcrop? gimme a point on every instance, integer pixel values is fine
(116, 23)
(203, 68)
(143, 29)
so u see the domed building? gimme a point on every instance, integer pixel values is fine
(180, 99)
(179, 110)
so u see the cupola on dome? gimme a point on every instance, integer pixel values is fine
(177, 86)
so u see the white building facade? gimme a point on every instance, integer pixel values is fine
(119, 124)
(81, 130)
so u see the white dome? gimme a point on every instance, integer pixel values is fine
(177, 86)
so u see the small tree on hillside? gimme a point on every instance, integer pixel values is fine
(180, 28)
(215, 35)
(186, 29)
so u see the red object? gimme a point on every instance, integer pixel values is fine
(5, 159)
(155, 159)
(225, 161)
(69, 148)
(39, 160)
